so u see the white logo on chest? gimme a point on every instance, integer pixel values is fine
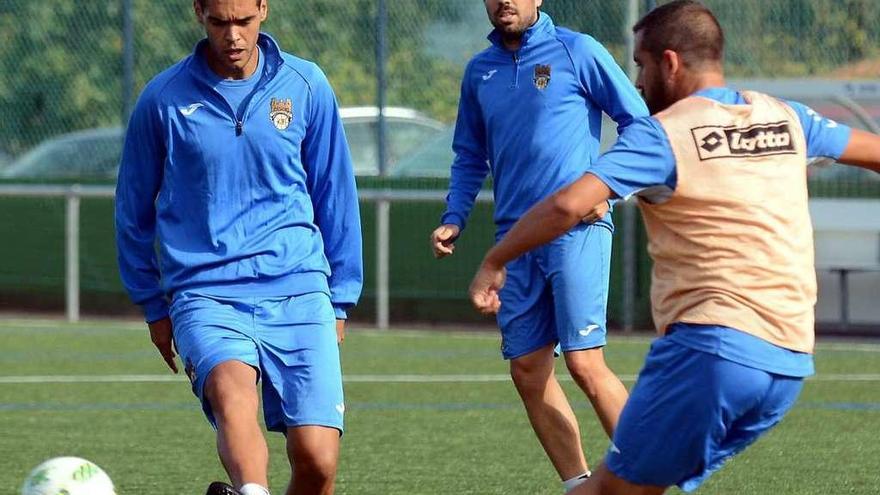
(187, 111)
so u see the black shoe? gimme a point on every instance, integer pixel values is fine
(220, 488)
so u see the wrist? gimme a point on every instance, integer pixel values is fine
(492, 260)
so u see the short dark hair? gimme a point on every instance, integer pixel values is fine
(202, 3)
(684, 26)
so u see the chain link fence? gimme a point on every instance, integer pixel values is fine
(64, 69)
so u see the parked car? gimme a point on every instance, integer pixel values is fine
(93, 154)
(408, 130)
(435, 157)
(5, 159)
(89, 154)
(868, 118)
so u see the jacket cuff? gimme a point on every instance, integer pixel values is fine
(340, 311)
(454, 219)
(155, 309)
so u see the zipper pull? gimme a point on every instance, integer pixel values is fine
(239, 127)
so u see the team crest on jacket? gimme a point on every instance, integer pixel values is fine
(542, 76)
(281, 113)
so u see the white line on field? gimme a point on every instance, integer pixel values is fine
(847, 347)
(49, 379)
(615, 337)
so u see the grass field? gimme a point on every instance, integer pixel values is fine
(427, 413)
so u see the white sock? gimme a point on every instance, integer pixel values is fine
(253, 489)
(580, 479)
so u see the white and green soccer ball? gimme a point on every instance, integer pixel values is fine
(68, 476)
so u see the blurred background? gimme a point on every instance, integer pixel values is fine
(71, 71)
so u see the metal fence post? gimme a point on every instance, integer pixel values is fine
(381, 86)
(127, 59)
(632, 17)
(628, 210)
(71, 257)
(383, 206)
(383, 265)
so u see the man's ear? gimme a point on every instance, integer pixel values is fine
(670, 64)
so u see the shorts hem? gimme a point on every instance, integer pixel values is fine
(283, 427)
(616, 471)
(519, 354)
(585, 347)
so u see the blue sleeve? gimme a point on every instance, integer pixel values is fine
(640, 162)
(470, 166)
(140, 178)
(331, 184)
(825, 137)
(607, 85)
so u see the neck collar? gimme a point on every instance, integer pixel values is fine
(268, 48)
(536, 31)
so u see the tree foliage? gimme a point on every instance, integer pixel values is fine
(61, 63)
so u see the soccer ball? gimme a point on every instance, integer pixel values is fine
(68, 476)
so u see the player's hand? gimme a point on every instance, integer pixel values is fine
(160, 334)
(485, 287)
(443, 240)
(340, 331)
(597, 213)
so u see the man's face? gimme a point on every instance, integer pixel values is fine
(651, 81)
(232, 28)
(512, 16)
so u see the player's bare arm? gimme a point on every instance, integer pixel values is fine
(863, 150)
(161, 334)
(544, 222)
(340, 331)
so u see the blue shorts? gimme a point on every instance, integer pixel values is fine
(690, 411)
(557, 293)
(290, 341)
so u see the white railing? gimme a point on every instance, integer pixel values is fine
(383, 199)
(74, 193)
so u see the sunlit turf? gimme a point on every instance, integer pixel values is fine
(422, 437)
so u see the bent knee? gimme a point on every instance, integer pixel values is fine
(531, 371)
(317, 467)
(588, 368)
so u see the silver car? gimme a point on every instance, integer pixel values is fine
(94, 154)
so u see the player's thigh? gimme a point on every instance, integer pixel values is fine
(682, 402)
(299, 358)
(231, 388)
(526, 318)
(578, 266)
(779, 398)
(209, 331)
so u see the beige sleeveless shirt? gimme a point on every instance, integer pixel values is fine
(733, 245)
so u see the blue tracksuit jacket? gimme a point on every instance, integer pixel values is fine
(534, 118)
(257, 203)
